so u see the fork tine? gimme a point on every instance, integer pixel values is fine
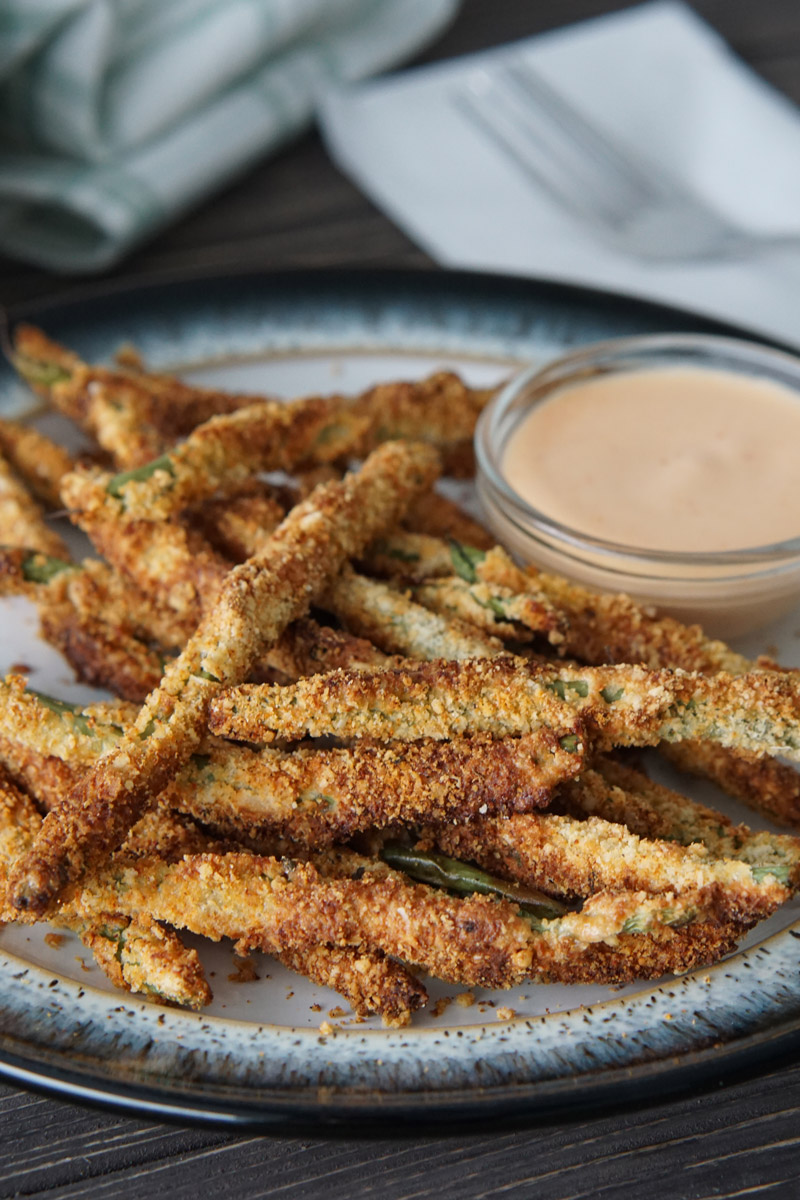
(637, 206)
(586, 137)
(537, 141)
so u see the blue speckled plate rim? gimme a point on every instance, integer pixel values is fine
(78, 1076)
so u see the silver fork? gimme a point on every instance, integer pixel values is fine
(634, 204)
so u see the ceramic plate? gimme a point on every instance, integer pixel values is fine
(275, 1047)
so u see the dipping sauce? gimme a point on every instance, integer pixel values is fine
(678, 459)
(663, 466)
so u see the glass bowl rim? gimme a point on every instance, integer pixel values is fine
(772, 557)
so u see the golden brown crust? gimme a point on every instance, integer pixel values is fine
(22, 521)
(318, 796)
(231, 523)
(572, 858)
(40, 462)
(135, 953)
(397, 625)
(103, 654)
(479, 941)
(132, 414)
(170, 563)
(766, 784)
(440, 517)
(142, 956)
(512, 616)
(370, 981)
(258, 600)
(620, 793)
(621, 705)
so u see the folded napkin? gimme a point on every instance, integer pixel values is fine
(117, 115)
(654, 78)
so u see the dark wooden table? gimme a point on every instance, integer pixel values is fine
(735, 1137)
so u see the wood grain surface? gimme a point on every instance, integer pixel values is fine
(739, 1137)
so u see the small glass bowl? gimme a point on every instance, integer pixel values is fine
(730, 592)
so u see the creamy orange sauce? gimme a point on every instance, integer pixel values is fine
(683, 459)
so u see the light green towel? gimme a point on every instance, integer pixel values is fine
(118, 115)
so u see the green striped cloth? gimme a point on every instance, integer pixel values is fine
(118, 115)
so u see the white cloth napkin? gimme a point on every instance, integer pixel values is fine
(117, 115)
(658, 80)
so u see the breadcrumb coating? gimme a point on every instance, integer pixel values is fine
(769, 786)
(22, 521)
(621, 705)
(397, 625)
(258, 600)
(40, 462)
(314, 796)
(135, 952)
(572, 858)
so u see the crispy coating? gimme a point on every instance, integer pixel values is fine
(371, 982)
(36, 459)
(74, 734)
(607, 628)
(135, 953)
(166, 560)
(230, 523)
(142, 956)
(502, 601)
(114, 415)
(136, 414)
(266, 904)
(621, 705)
(258, 600)
(317, 796)
(397, 625)
(21, 571)
(307, 648)
(227, 450)
(409, 556)
(139, 955)
(766, 784)
(512, 616)
(498, 732)
(104, 654)
(22, 521)
(604, 628)
(601, 628)
(619, 792)
(86, 612)
(390, 621)
(133, 415)
(107, 628)
(268, 436)
(182, 576)
(573, 858)
(438, 516)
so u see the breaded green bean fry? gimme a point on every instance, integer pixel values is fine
(622, 705)
(22, 521)
(133, 951)
(569, 857)
(601, 628)
(39, 461)
(769, 786)
(265, 904)
(258, 600)
(132, 414)
(497, 610)
(399, 626)
(311, 796)
(621, 793)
